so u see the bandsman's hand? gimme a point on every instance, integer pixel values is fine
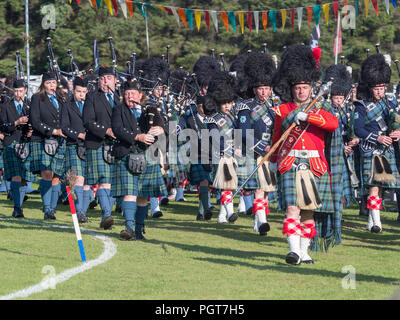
(21, 120)
(385, 140)
(395, 135)
(354, 142)
(348, 150)
(145, 138)
(110, 133)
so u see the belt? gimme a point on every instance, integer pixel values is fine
(304, 154)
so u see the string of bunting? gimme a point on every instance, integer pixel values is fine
(194, 17)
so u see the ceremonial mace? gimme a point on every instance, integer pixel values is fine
(324, 90)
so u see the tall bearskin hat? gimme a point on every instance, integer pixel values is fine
(259, 69)
(341, 79)
(297, 66)
(221, 90)
(204, 68)
(375, 72)
(237, 70)
(155, 70)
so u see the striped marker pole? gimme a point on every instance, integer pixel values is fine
(76, 224)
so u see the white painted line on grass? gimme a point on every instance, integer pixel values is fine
(110, 249)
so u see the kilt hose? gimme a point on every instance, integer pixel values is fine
(40, 160)
(14, 166)
(73, 162)
(366, 169)
(288, 197)
(97, 171)
(148, 184)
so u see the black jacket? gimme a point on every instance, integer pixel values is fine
(72, 122)
(125, 128)
(44, 117)
(97, 113)
(8, 116)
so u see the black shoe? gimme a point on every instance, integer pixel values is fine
(307, 261)
(208, 215)
(164, 202)
(47, 215)
(200, 217)
(363, 206)
(139, 236)
(52, 215)
(157, 214)
(263, 229)
(233, 218)
(82, 218)
(376, 229)
(18, 213)
(249, 211)
(25, 198)
(128, 234)
(107, 223)
(93, 204)
(293, 258)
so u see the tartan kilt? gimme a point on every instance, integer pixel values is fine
(1, 159)
(123, 182)
(287, 187)
(40, 160)
(73, 162)
(97, 171)
(151, 182)
(245, 167)
(198, 174)
(14, 166)
(347, 188)
(366, 165)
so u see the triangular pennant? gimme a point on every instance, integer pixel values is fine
(98, 3)
(115, 6)
(207, 19)
(325, 9)
(375, 4)
(284, 14)
(109, 6)
(272, 16)
(225, 20)
(366, 4)
(93, 3)
(249, 20)
(357, 7)
(168, 9)
(129, 5)
(335, 6)
(309, 14)
(292, 18)
(232, 20)
(317, 13)
(214, 19)
(140, 6)
(122, 3)
(256, 20)
(387, 6)
(197, 17)
(189, 17)
(299, 16)
(264, 20)
(394, 3)
(241, 20)
(182, 15)
(77, 2)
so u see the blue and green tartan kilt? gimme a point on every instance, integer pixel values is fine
(123, 182)
(1, 159)
(346, 182)
(245, 167)
(287, 188)
(366, 169)
(198, 174)
(151, 182)
(97, 170)
(14, 166)
(73, 162)
(40, 160)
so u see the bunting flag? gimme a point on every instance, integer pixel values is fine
(272, 16)
(182, 15)
(284, 14)
(232, 20)
(108, 3)
(249, 20)
(94, 4)
(325, 9)
(357, 7)
(214, 19)
(241, 20)
(387, 6)
(256, 20)
(335, 6)
(140, 6)
(264, 20)
(292, 18)
(189, 17)
(317, 13)
(366, 3)
(122, 3)
(115, 6)
(375, 4)
(197, 17)
(98, 3)
(207, 19)
(225, 20)
(309, 15)
(299, 16)
(129, 5)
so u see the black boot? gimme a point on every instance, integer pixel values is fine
(363, 206)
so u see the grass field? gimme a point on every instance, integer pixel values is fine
(186, 259)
